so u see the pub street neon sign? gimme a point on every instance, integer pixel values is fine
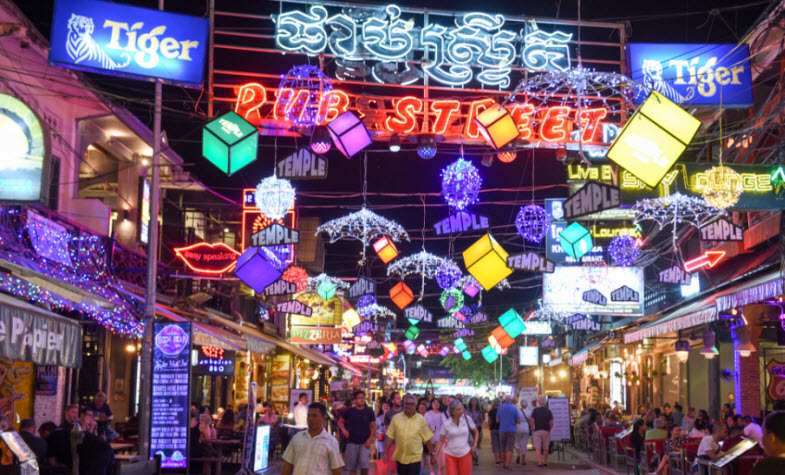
(447, 54)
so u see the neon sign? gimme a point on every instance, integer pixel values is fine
(542, 125)
(475, 47)
(254, 221)
(206, 258)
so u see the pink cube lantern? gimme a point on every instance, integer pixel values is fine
(349, 134)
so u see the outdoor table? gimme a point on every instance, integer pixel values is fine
(122, 446)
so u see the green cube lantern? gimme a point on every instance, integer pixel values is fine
(512, 323)
(326, 289)
(229, 142)
(466, 355)
(489, 354)
(412, 333)
(576, 240)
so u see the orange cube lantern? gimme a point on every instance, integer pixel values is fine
(385, 248)
(499, 339)
(497, 126)
(401, 295)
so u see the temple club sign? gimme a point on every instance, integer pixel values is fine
(530, 262)
(303, 165)
(591, 198)
(460, 222)
(721, 230)
(274, 235)
(207, 258)
(294, 307)
(675, 275)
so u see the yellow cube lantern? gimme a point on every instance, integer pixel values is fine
(653, 139)
(497, 126)
(350, 318)
(486, 261)
(401, 295)
(385, 248)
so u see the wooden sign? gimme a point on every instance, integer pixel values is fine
(721, 230)
(591, 198)
(295, 307)
(625, 294)
(675, 275)
(530, 262)
(461, 222)
(280, 287)
(362, 286)
(274, 235)
(303, 165)
(418, 313)
(595, 296)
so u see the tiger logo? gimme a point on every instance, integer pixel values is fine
(652, 80)
(81, 46)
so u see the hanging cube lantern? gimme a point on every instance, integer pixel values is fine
(385, 248)
(460, 345)
(489, 354)
(229, 142)
(444, 351)
(350, 318)
(471, 287)
(500, 340)
(653, 139)
(326, 289)
(409, 347)
(451, 300)
(349, 134)
(258, 267)
(576, 240)
(497, 126)
(512, 323)
(422, 350)
(486, 261)
(466, 355)
(401, 295)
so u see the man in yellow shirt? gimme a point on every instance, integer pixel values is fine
(409, 431)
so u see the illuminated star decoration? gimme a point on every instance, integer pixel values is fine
(375, 311)
(532, 223)
(624, 250)
(423, 264)
(448, 274)
(300, 92)
(461, 184)
(274, 197)
(364, 226)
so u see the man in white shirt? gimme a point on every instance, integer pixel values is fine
(709, 448)
(752, 430)
(301, 411)
(313, 451)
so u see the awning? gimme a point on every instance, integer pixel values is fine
(678, 320)
(762, 288)
(352, 368)
(29, 333)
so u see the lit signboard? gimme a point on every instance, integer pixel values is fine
(261, 453)
(22, 169)
(144, 211)
(537, 327)
(112, 38)
(254, 221)
(528, 356)
(693, 73)
(213, 360)
(604, 290)
(208, 258)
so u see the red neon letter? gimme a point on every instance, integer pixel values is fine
(444, 109)
(554, 124)
(470, 128)
(283, 97)
(590, 124)
(522, 115)
(334, 103)
(403, 120)
(250, 98)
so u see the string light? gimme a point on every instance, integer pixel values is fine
(314, 282)
(426, 147)
(624, 250)
(461, 184)
(448, 274)
(532, 223)
(423, 263)
(375, 311)
(507, 156)
(451, 300)
(274, 197)
(366, 300)
(321, 142)
(300, 93)
(364, 226)
(723, 187)
(676, 209)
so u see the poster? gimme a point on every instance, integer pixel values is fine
(528, 394)
(261, 455)
(560, 407)
(169, 411)
(45, 380)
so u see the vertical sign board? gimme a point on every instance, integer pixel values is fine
(116, 39)
(24, 168)
(560, 407)
(261, 455)
(169, 411)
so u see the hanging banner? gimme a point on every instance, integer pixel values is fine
(116, 39)
(303, 165)
(170, 389)
(280, 287)
(595, 287)
(461, 222)
(694, 74)
(530, 262)
(591, 198)
(417, 313)
(27, 335)
(721, 230)
(275, 235)
(675, 275)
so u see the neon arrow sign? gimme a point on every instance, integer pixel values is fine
(708, 259)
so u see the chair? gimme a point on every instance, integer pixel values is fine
(618, 454)
(654, 451)
(630, 463)
(677, 465)
(141, 467)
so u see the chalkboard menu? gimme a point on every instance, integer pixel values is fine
(169, 409)
(562, 428)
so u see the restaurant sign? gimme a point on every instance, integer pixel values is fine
(307, 335)
(27, 335)
(776, 374)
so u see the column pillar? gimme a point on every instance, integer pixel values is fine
(747, 370)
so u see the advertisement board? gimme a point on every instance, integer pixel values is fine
(595, 290)
(112, 38)
(261, 454)
(22, 167)
(528, 356)
(694, 74)
(213, 360)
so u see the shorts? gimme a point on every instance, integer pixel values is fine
(507, 441)
(495, 444)
(357, 457)
(541, 440)
(521, 442)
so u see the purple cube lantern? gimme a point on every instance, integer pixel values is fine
(471, 288)
(259, 267)
(409, 346)
(349, 134)
(444, 351)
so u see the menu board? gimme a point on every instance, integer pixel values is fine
(261, 455)
(560, 408)
(735, 452)
(170, 388)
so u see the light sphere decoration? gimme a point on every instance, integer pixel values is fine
(301, 91)
(297, 276)
(624, 250)
(426, 147)
(723, 187)
(461, 183)
(274, 197)
(366, 300)
(448, 274)
(508, 156)
(451, 300)
(532, 223)
(321, 142)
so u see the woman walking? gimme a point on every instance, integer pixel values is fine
(435, 418)
(455, 433)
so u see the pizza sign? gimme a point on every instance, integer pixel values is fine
(776, 388)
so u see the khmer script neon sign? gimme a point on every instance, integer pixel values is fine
(476, 47)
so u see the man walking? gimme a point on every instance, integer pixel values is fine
(507, 416)
(313, 451)
(358, 427)
(409, 431)
(541, 437)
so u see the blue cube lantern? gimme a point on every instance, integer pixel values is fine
(512, 323)
(489, 354)
(258, 267)
(576, 240)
